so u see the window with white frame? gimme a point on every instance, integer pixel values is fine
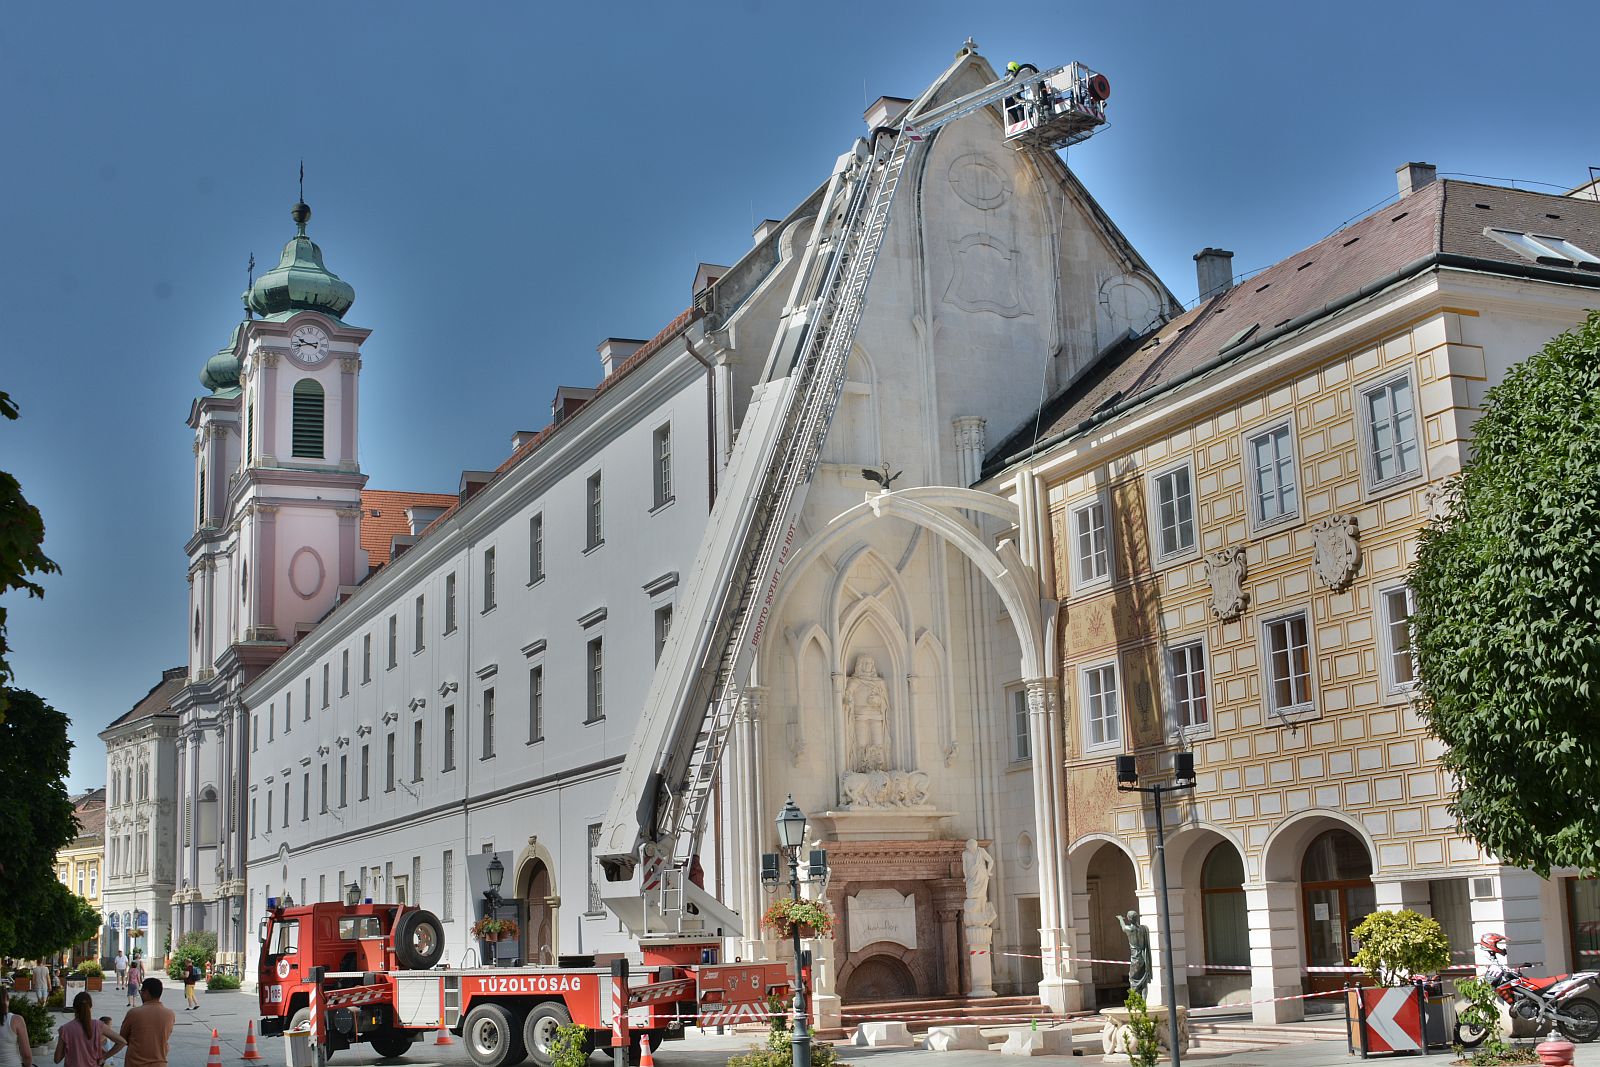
(596, 905)
(389, 760)
(536, 548)
(596, 677)
(366, 658)
(488, 579)
(1272, 481)
(1102, 709)
(1191, 701)
(419, 623)
(1091, 541)
(1391, 431)
(1288, 663)
(661, 463)
(416, 751)
(327, 689)
(663, 627)
(488, 723)
(1400, 656)
(344, 673)
(450, 602)
(536, 703)
(1021, 735)
(448, 881)
(594, 534)
(394, 641)
(449, 737)
(1174, 511)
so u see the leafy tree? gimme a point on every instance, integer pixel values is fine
(1397, 946)
(21, 534)
(40, 915)
(1507, 586)
(198, 947)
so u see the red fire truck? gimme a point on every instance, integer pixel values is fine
(374, 970)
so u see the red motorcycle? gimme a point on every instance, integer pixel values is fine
(1559, 1002)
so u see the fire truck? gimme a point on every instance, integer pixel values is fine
(372, 972)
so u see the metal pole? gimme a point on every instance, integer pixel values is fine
(800, 1037)
(1165, 913)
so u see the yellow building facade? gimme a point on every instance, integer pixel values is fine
(80, 866)
(1233, 506)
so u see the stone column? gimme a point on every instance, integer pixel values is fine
(748, 804)
(1401, 896)
(349, 544)
(1515, 910)
(348, 366)
(1275, 955)
(1059, 990)
(969, 436)
(1150, 915)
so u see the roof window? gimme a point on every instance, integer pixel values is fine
(1541, 248)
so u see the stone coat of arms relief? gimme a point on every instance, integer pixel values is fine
(1337, 551)
(1225, 570)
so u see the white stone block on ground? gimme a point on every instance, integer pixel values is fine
(1038, 1043)
(956, 1038)
(881, 1035)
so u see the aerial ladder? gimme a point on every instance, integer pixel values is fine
(650, 839)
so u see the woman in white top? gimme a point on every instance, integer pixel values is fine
(14, 1050)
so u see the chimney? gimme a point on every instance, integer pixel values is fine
(884, 110)
(420, 516)
(522, 437)
(767, 228)
(1213, 269)
(1413, 176)
(613, 350)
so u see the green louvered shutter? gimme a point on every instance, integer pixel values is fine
(308, 403)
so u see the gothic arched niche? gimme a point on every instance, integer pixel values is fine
(853, 438)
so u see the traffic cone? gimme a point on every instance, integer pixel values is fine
(645, 1059)
(250, 1052)
(215, 1059)
(444, 1037)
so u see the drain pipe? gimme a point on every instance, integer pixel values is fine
(711, 421)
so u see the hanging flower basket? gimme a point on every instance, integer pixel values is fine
(495, 929)
(811, 916)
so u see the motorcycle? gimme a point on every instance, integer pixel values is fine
(1555, 1002)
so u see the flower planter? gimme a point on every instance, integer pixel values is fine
(93, 985)
(22, 985)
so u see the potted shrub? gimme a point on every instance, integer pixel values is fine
(1400, 948)
(811, 916)
(489, 929)
(91, 974)
(21, 980)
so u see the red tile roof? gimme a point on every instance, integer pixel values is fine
(159, 700)
(1444, 220)
(383, 517)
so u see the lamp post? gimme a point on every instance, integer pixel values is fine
(791, 836)
(491, 899)
(352, 894)
(1182, 779)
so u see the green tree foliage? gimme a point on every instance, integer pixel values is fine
(21, 534)
(1397, 946)
(196, 946)
(41, 915)
(1143, 1046)
(1507, 586)
(37, 1016)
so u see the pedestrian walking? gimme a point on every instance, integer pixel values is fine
(82, 1042)
(41, 981)
(14, 1048)
(190, 977)
(133, 978)
(148, 1028)
(121, 964)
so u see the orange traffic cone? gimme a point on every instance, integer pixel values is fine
(250, 1052)
(645, 1059)
(215, 1059)
(444, 1037)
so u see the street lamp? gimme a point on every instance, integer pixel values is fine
(1182, 779)
(791, 836)
(352, 894)
(491, 899)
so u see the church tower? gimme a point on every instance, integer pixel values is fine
(277, 483)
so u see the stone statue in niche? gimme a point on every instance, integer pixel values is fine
(977, 866)
(866, 705)
(1337, 553)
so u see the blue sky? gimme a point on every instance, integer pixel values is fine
(506, 184)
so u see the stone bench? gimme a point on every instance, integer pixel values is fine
(1038, 1043)
(956, 1038)
(881, 1035)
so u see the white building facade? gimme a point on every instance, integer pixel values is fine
(141, 823)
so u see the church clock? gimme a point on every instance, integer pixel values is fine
(309, 343)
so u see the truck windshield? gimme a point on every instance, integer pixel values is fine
(285, 937)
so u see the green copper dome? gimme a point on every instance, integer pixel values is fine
(300, 282)
(221, 372)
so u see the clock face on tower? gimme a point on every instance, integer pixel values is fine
(309, 343)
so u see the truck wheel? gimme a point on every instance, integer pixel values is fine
(539, 1032)
(418, 940)
(391, 1046)
(492, 1036)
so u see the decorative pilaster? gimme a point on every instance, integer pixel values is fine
(749, 806)
(970, 441)
(1058, 989)
(348, 367)
(349, 529)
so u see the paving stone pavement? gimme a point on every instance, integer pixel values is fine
(230, 1012)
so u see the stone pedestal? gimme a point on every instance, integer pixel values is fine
(1038, 1043)
(956, 1039)
(1116, 1033)
(881, 1035)
(980, 961)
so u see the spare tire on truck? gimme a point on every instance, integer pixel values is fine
(418, 940)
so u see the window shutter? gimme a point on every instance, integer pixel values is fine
(308, 405)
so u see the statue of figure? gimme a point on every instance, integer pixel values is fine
(866, 703)
(1138, 952)
(977, 866)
